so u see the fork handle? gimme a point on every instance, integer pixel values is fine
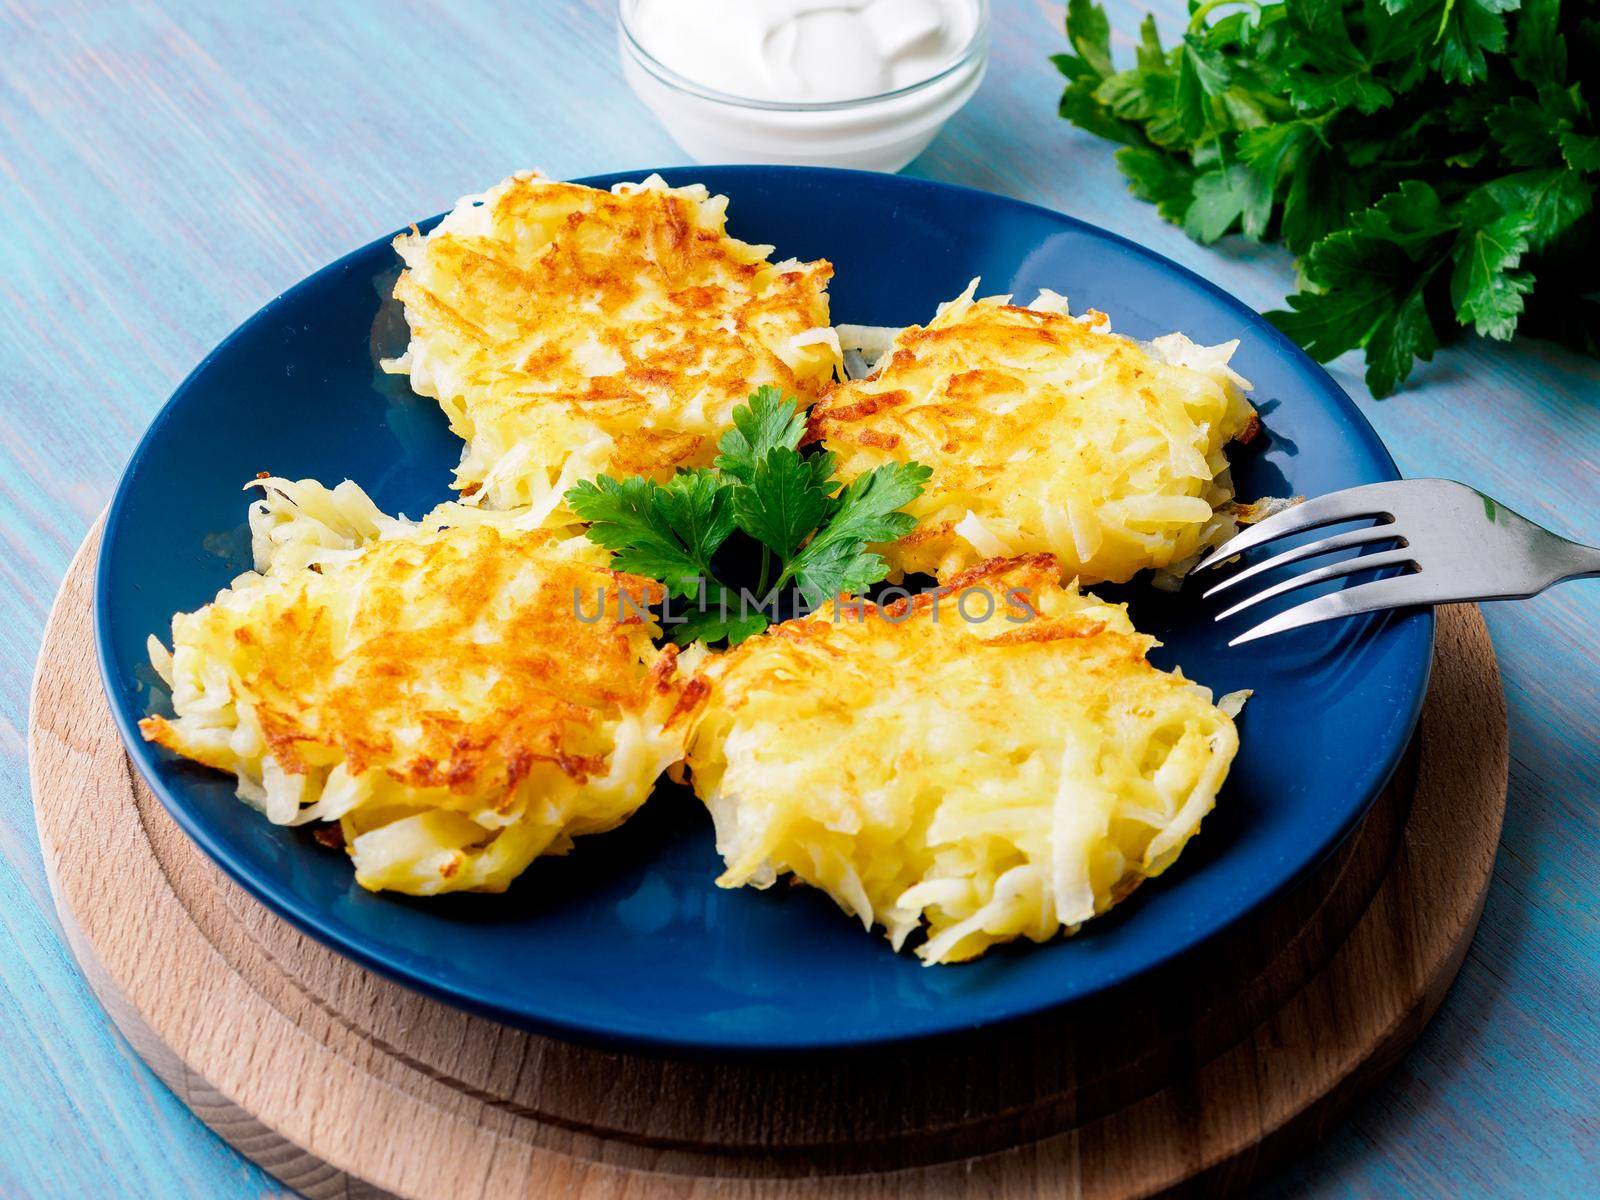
(1575, 561)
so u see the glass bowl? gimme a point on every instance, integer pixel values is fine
(878, 133)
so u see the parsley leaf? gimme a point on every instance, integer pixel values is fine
(1090, 34)
(1434, 163)
(787, 502)
(1523, 133)
(1223, 198)
(714, 616)
(764, 422)
(1398, 340)
(785, 498)
(1555, 200)
(1581, 151)
(1539, 52)
(837, 568)
(1485, 288)
(1150, 55)
(836, 561)
(1468, 31)
(1164, 179)
(1331, 72)
(698, 510)
(1367, 286)
(666, 531)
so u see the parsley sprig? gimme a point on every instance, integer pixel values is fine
(1433, 162)
(812, 533)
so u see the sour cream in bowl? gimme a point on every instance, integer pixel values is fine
(842, 83)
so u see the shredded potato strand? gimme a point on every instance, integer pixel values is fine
(569, 332)
(427, 685)
(983, 781)
(1047, 433)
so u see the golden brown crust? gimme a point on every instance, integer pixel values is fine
(557, 314)
(1044, 432)
(452, 661)
(462, 693)
(982, 777)
(841, 632)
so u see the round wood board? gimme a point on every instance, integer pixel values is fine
(342, 1083)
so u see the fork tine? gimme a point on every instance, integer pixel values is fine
(1352, 504)
(1339, 541)
(1367, 562)
(1400, 592)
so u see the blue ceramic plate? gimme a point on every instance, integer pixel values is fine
(627, 940)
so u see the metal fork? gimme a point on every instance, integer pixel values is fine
(1455, 542)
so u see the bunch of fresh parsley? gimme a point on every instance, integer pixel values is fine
(1433, 162)
(812, 533)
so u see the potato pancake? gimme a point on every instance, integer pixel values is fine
(1046, 434)
(461, 694)
(568, 331)
(987, 779)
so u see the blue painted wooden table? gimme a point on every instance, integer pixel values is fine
(165, 167)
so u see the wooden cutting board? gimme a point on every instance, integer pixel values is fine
(342, 1083)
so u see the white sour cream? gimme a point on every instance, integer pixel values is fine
(808, 51)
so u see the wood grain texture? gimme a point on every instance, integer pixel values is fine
(166, 166)
(1201, 1076)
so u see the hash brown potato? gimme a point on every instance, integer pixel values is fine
(1046, 433)
(427, 685)
(983, 780)
(569, 332)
